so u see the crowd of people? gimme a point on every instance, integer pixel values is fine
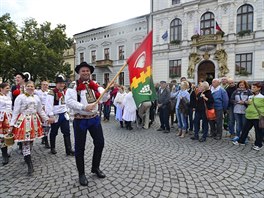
(28, 113)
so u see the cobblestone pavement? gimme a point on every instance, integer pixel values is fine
(141, 164)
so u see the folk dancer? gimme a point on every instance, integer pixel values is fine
(26, 123)
(81, 99)
(5, 118)
(56, 108)
(42, 94)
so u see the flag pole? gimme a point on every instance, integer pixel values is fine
(111, 82)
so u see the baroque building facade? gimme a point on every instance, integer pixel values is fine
(108, 47)
(188, 41)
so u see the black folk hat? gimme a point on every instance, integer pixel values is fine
(84, 64)
(60, 79)
(25, 75)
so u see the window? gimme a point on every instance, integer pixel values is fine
(176, 30)
(93, 56)
(121, 78)
(81, 57)
(245, 18)
(176, 2)
(121, 52)
(94, 77)
(106, 78)
(175, 68)
(137, 45)
(207, 23)
(106, 53)
(244, 63)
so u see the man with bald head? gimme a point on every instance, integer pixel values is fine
(230, 113)
(220, 104)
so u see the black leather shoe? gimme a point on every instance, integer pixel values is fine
(83, 180)
(194, 138)
(53, 151)
(217, 138)
(98, 172)
(202, 140)
(160, 129)
(166, 131)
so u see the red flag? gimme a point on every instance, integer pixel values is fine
(217, 27)
(140, 72)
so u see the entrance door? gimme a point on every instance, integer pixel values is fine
(206, 71)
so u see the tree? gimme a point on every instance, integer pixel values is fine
(37, 49)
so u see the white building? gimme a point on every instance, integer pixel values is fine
(239, 54)
(108, 47)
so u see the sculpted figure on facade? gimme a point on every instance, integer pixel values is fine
(194, 58)
(221, 57)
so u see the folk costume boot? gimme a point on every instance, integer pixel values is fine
(67, 144)
(4, 155)
(80, 166)
(29, 164)
(121, 124)
(46, 142)
(43, 140)
(96, 163)
(52, 145)
(183, 133)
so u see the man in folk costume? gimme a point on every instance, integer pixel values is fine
(55, 107)
(42, 93)
(81, 98)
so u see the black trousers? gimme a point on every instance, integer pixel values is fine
(94, 127)
(164, 117)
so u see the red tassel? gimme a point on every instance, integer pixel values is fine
(16, 92)
(93, 85)
(97, 94)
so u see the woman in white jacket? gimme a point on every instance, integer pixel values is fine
(130, 109)
(118, 102)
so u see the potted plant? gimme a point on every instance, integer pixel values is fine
(176, 42)
(244, 32)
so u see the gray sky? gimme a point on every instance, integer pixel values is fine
(77, 15)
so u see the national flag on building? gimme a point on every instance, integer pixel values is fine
(140, 72)
(165, 35)
(217, 27)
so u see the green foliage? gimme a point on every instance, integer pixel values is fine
(244, 32)
(37, 49)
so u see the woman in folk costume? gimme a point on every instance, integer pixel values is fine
(26, 123)
(118, 102)
(130, 109)
(5, 117)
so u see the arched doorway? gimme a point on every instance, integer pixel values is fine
(206, 71)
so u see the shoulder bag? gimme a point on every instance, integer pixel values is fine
(210, 113)
(261, 117)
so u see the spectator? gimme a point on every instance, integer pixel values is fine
(163, 107)
(239, 100)
(255, 107)
(220, 104)
(230, 113)
(182, 108)
(203, 98)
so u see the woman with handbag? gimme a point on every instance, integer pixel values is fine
(204, 101)
(5, 118)
(254, 117)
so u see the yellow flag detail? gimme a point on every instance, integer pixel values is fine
(141, 79)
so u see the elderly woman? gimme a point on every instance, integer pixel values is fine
(182, 108)
(254, 110)
(204, 100)
(5, 118)
(26, 123)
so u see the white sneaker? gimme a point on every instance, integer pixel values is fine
(235, 142)
(256, 148)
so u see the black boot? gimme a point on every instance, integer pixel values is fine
(30, 165)
(129, 126)
(68, 148)
(96, 163)
(121, 124)
(46, 142)
(43, 140)
(80, 166)
(52, 145)
(4, 155)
